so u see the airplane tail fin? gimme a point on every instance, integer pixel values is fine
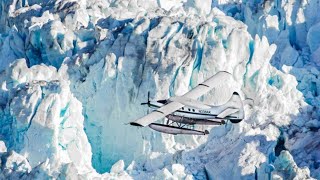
(248, 101)
(236, 102)
(236, 98)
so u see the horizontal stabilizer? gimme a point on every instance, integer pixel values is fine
(248, 101)
(227, 112)
(190, 102)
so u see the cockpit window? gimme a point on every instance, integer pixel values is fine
(162, 101)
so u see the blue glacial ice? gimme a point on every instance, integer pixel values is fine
(73, 74)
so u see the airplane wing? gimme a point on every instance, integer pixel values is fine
(190, 102)
(157, 114)
(214, 82)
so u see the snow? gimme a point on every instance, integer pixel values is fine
(73, 74)
(3, 148)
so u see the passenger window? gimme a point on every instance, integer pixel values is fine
(189, 109)
(193, 110)
(182, 108)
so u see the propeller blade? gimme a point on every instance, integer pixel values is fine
(148, 103)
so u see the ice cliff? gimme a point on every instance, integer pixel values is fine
(73, 74)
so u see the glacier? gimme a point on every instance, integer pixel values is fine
(73, 74)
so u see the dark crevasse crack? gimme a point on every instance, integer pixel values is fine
(170, 38)
(117, 26)
(124, 40)
(198, 60)
(198, 57)
(280, 145)
(34, 112)
(142, 72)
(63, 112)
(256, 173)
(251, 49)
(153, 23)
(171, 87)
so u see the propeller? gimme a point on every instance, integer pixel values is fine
(148, 103)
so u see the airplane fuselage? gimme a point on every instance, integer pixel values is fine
(192, 113)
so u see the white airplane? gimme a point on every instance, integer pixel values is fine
(185, 110)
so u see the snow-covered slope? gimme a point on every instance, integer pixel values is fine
(73, 74)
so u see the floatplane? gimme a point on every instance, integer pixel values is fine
(183, 112)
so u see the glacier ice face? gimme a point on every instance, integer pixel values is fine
(286, 168)
(313, 37)
(75, 72)
(116, 93)
(41, 111)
